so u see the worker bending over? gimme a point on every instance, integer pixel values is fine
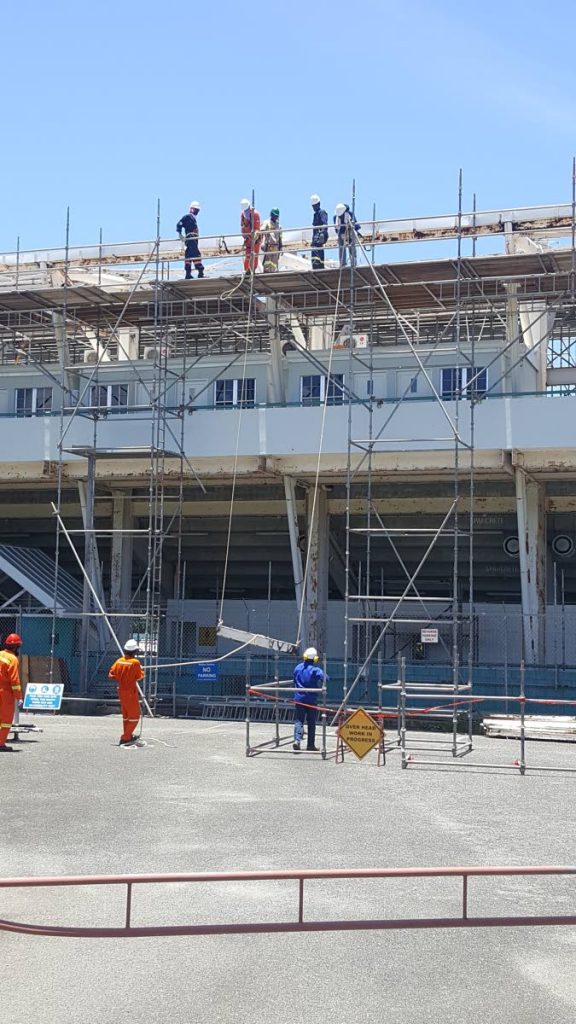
(250, 229)
(272, 244)
(10, 688)
(127, 673)
(319, 233)
(307, 673)
(347, 228)
(192, 254)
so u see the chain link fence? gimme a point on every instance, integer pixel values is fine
(185, 664)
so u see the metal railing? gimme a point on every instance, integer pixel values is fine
(299, 924)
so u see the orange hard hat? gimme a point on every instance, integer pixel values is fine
(13, 640)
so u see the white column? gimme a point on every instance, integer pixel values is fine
(121, 559)
(276, 389)
(530, 508)
(293, 530)
(317, 575)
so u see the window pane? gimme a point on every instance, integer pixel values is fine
(311, 388)
(118, 395)
(450, 382)
(99, 396)
(478, 377)
(335, 392)
(24, 401)
(246, 390)
(225, 393)
(43, 400)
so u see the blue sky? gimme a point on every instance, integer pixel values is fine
(108, 107)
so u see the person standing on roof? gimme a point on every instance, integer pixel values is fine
(347, 228)
(250, 228)
(127, 673)
(189, 225)
(307, 674)
(319, 233)
(10, 688)
(272, 242)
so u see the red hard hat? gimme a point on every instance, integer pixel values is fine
(13, 640)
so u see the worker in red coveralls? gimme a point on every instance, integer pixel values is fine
(127, 673)
(10, 688)
(250, 228)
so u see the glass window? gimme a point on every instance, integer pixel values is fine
(335, 391)
(33, 401)
(313, 389)
(310, 389)
(465, 381)
(109, 396)
(229, 393)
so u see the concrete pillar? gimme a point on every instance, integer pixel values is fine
(293, 530)
(318, 566)
(536, 321)
(276, 389)
(121, 560)
(531, 512)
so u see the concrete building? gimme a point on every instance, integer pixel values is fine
(199, 442)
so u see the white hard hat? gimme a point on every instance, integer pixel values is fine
(244, 203)
(195, 205)
(310, 654)
(314, 199)
(131, 645)
(340, 209)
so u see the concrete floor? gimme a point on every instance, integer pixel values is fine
(73, 803)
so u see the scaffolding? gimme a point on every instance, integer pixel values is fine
(70, 311)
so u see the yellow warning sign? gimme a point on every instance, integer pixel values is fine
(361, 733)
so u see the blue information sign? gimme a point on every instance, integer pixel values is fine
(207, 672)
(43, 697)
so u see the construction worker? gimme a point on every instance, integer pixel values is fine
(250, 228)
(307, 673)
(10, 688)
(346, 230)
(272, 242)
(319, 233)
(192, 254)
(127, 673)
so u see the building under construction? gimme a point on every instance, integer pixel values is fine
(377, 459)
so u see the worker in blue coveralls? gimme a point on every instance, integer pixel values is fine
(307, 673)
(189, 225)
(319, 233)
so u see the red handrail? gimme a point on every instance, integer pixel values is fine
(298, 925)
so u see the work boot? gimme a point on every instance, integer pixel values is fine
(296, 747)
(314, 749)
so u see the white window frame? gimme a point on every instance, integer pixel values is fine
(34, 411)
(336, 381)
(462, 376)
(109, 388)
(237, 385)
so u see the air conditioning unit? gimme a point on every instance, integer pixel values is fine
(156, 352)
(358, 340)
(90, 356)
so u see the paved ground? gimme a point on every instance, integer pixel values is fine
(73, 802)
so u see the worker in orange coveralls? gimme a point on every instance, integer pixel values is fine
(127, 673)
(250, 228)
(10, 689)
